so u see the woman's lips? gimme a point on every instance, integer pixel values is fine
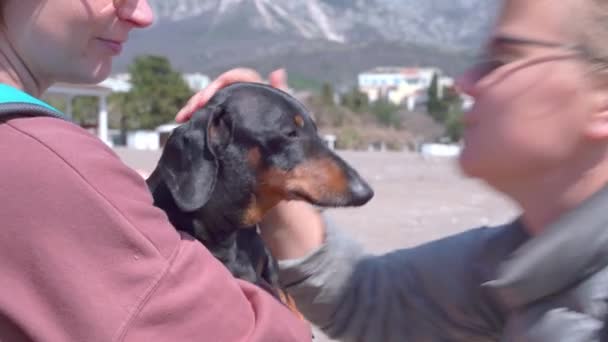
(113, 45)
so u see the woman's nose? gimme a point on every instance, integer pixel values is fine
(466, 83)
(137, 12)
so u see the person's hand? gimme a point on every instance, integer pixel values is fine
(292, 229)
(277, 79)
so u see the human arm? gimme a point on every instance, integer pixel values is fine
(431, 292)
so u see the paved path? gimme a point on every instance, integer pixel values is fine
(416, 200)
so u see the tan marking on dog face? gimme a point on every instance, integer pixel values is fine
(261, 202)
(299, 120)
(320, 179)
(251, 214)
(254, 157)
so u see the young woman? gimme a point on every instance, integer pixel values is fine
(84, 255)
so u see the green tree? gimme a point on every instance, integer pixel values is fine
(157, 94)
(84, 108)
(453, 115)
(454, 126)
(355, 100)
(327, 94)
(386, 113)
(435, 107)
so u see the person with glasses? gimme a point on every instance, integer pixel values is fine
(84, 254)
(538, 133)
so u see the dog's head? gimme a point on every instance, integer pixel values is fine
(251, 147)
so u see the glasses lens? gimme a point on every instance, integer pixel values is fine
(483, 68)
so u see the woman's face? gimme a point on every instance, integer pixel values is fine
(532, 102)
(71, 40)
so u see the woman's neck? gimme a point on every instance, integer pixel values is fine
(546, 198)
(15, 72)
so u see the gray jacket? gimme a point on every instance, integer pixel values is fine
(487, 284)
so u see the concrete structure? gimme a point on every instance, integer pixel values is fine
(440, 150)
(143, 140)
(151, 140)
(330, 140)
(122, 82)
(119, 83)
(196, 81)
(164, 131)
(102, 92)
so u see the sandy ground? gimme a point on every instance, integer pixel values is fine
(416, 200)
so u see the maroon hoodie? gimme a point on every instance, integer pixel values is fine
(85, 256)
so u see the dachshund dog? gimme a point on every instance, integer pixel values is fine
(249, 148)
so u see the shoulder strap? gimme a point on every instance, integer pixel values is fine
(14, 102)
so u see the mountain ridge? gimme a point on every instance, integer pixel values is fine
(326, 40)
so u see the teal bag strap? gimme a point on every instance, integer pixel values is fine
(15, 103)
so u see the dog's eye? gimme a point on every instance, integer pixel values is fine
(292, 134)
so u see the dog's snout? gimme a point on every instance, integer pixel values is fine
(327, 182)
(360, 191)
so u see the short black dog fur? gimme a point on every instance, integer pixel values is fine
(251, 147)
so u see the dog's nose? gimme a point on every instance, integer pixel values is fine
(360, 191)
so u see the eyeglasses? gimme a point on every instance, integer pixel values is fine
(486, 65)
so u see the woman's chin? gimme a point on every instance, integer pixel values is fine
(101, 72)
(468, 163)
(90, 74)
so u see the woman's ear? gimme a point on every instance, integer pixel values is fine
(597, 121)
(598, 127)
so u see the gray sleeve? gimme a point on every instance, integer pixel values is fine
(427, 293)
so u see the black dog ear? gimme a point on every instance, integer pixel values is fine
(220, 130)
(189, 163)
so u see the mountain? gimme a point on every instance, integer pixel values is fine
(324, 40)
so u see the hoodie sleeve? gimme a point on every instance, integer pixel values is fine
(427, 293)
(85, 256)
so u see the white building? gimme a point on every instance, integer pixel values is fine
(396, 76)
(400, 85)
